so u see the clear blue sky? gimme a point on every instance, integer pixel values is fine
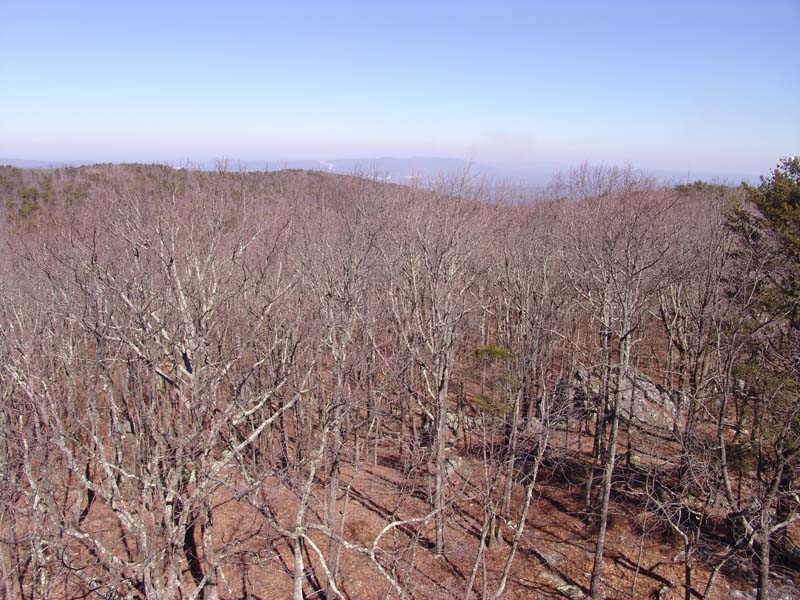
(673, 85)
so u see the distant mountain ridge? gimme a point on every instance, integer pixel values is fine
(387, 168)
(24, 163)
(406, 170)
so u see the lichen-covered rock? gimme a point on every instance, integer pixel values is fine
(644, 402)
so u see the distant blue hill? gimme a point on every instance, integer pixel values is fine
(23, 163)
(405, 170)
(419, 168)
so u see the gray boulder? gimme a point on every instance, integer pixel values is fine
(644, 402)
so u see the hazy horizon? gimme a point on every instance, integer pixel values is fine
(406, 169)
(683, 87)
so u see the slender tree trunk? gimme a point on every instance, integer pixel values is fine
(687, 571)
(192, 554)
(522, 521)
(441, 435)
(595, 587)
(599, 451)
(511, 450)
(479, 557)
(763, 559)
(299, 570)
(333, 548)
(211, 589)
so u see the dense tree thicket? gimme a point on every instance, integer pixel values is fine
(250, 385)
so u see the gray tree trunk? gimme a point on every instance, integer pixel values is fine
(595, 586)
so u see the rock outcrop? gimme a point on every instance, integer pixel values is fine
(644, 402)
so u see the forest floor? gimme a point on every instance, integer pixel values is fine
(554, 558)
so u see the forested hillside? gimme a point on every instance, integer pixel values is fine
(304, 385)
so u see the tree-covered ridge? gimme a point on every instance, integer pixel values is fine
(237, 385)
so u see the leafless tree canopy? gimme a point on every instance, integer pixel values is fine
(296, 385)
